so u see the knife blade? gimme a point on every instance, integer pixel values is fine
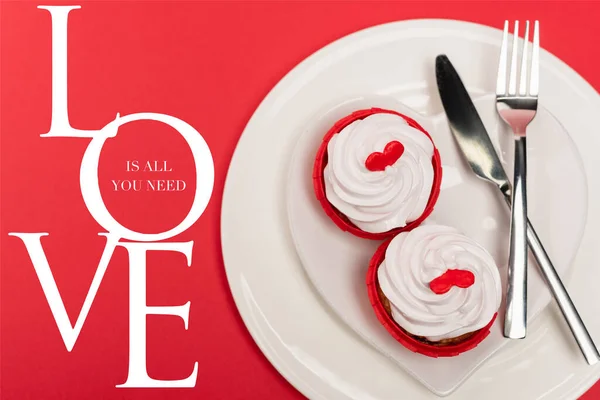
(476, 146)
(467, 127)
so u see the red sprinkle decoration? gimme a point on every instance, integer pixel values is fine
(452, 277)
(391, 153)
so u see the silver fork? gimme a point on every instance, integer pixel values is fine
(518, 108)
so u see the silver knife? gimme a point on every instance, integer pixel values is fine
(477, 148)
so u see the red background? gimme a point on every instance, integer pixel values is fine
(209, 64)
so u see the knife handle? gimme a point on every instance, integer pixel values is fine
(582, 336)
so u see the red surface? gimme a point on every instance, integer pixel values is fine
(338, 217)
(209, 64)
(398, 333)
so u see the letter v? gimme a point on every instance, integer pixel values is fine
(36, 252)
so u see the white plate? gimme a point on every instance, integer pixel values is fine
(337, 262)
(306, 341)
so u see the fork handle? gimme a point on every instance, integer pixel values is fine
(515, 319)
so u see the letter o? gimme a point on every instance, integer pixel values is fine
(90, 189)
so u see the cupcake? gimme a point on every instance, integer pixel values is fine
(377, 173)
(435, 290)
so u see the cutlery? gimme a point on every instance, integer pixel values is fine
(518, 108)
(476, 145)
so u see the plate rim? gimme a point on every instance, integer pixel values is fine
(425, 23)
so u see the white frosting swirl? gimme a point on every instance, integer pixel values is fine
(413, 259)
(378, 201)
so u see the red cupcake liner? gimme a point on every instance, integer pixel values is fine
(338, 217)
(400, 335)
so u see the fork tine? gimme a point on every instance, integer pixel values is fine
(512, 82)
(534, 84)
(524, 64)
(501, 82)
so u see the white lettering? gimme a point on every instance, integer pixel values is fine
(138, 309)
(69, 333)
